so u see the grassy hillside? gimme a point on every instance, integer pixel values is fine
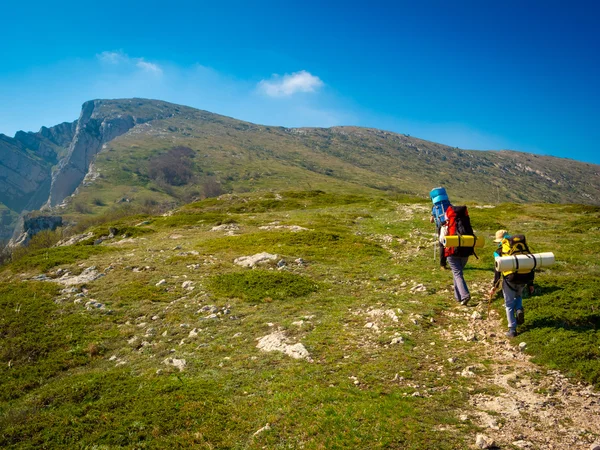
(231, 156)
(97, 364)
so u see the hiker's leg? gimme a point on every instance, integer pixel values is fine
(510, 303)
(457, 264)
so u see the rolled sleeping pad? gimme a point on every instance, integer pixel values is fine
(524, 262)
(464, 241)
(438, 195)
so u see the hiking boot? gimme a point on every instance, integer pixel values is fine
(465, 300)
(520, 316)
(511, 333)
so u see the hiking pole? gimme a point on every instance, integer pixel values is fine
(492, 293)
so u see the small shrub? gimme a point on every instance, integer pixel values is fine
(259, 285)
(174, 168)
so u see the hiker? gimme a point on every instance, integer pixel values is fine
(511, 290)
(458, 223)
(438, 216)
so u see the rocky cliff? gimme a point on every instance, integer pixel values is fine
(29, 226)
(100, 121)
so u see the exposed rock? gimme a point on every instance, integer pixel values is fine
(100, 121)
(483, 441)
(276, 342)
(226, 227)
(88, 275)
(267, 427)
(178, 363)
(161, 282)
(252, 261)
(30, 226)
(74, 239)
(292, 228)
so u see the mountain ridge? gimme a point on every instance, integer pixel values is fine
(49, 166)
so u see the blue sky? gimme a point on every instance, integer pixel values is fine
(519, 75)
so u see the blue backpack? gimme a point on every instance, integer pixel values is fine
(440, 205)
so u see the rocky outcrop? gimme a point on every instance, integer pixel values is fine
(100, 121)
(26, 165)
(21, 174)
(30, 226)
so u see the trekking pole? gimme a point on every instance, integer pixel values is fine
(434, 250)
(492, 293)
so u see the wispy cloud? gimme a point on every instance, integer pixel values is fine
(120, 58)
(290, 84)
(148, 66)
(112, 57)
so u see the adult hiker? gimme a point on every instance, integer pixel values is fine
(438, 216)
(512, 286)
(458, 223)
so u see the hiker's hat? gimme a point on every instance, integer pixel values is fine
(500, 235)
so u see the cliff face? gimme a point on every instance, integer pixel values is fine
(30, 226)
(22, 173)
(100, 121)
(44, 168)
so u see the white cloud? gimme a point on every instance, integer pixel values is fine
(289, 84)
(149, 67)
(112, 57)
(120, 58)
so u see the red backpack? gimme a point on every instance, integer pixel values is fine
(459, 224)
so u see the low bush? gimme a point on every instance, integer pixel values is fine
(261, 285)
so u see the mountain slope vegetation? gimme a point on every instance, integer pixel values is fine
(348, 337)
(122, 151)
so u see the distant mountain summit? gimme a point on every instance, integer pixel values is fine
(126, 147)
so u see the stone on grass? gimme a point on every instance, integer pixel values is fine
(397, 340)
(522, 346)
(88, 275)
(161, 282)
(267, 427)
(188, 285)
(178, 363)
(277, 342)
(252, 261)
(483, 441)
(476, 315)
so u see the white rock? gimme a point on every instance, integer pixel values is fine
(161, 282)
(468, 372)
(226, 227)
(178, 363)
(267, 427)
(397, 340)
(193, 333)
(252, 261)
(188, 285)
(476, 315)
(522, 346)
(483, 441)
(276, 342)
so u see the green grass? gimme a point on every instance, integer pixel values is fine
(81, 378)
(45, 259)
(262, 285)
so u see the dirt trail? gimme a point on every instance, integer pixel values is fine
(525, 405)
